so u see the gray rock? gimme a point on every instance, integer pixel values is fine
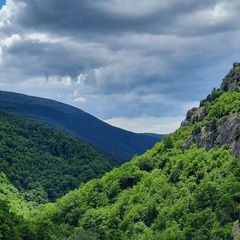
(227, 132)
(232, 80)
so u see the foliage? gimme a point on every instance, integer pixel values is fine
(45, 163)
(193, 195)
(227, 104)
(14, 212)
(215, 94)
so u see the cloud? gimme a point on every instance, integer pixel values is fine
(80, 99)
(144, 124)
(119, 59)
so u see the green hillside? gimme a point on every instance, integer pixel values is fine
(163, 194)
(45, 163)
(186, 187)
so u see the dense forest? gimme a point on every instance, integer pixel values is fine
(177, 190)
(45, 163)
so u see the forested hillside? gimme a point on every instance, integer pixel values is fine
(45, 163)
(113, 140)
(181, 189)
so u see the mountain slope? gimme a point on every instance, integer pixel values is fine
(80, 124)
(174, 191)
(46, 163)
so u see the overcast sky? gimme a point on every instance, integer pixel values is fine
(137, 64)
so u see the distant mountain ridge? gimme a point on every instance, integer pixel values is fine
(78, 123)
(155, 135)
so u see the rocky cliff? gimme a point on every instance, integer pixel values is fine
(232, 80)
(217, 120)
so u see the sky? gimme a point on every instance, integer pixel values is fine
(136, 64)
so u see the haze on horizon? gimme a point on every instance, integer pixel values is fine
(139, 65)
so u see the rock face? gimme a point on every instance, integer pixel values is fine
(236, 230)
(221, 131)
(227, 131)
(232, 80)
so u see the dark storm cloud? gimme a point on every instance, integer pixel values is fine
(107, 17)
(57, 59)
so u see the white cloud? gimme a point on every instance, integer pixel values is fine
(9, 10)
(8, 41)
(44, 37)
(66, 80)
(162, 125)
(222, 11)
(81, 78)
(80, 100)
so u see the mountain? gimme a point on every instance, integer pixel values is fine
(186, 187)
(80, 124)
(46, 163)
